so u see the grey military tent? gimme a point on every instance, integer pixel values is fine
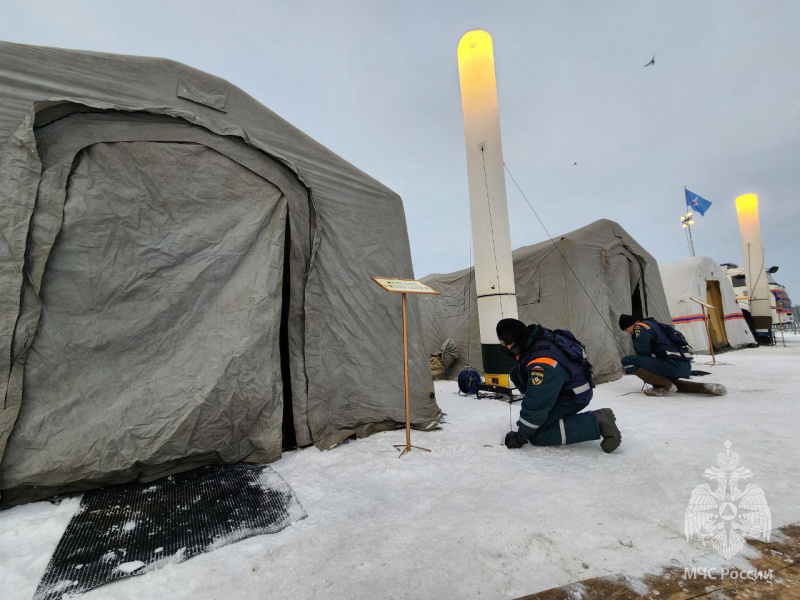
(184, 278)
(613, 274)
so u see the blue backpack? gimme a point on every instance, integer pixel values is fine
(571, 354)
(670, 342)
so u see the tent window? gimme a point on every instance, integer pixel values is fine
(739, 281)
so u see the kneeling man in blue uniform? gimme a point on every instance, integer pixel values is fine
(556, 379)
(662, 358)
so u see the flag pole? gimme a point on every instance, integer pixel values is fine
(687, 222)
(693, 203)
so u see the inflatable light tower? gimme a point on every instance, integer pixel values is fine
(494, 270)
(753, 251)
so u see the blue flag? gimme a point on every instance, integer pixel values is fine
(695, 202)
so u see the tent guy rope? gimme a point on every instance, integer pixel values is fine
(566, 262)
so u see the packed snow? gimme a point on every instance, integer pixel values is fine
(472, 518)
(130, 567)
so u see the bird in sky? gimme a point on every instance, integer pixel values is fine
(573, 164)
(652, 61)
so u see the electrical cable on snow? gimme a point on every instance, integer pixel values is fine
(564, 258)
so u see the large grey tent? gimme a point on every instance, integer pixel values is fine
(184, 278)
(615, 275)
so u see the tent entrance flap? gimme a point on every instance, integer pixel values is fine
(160, 313)
(289, 438)
(719, 337)
(637, 311)
(638, 291)
(626, 293)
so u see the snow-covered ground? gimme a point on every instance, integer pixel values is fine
(473, 519)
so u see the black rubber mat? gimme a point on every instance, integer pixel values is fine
(131, 529)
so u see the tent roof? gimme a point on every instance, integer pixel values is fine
(583, 237)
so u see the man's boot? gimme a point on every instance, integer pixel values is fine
(694, 387)
(607, 424)
(661, 385)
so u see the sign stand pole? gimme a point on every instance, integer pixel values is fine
(706, 319)
(780, 326)
(403, 286)
(407, 446)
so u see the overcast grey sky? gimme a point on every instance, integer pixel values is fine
(377, 82)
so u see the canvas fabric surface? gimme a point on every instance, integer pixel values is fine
(146, 209)
(686, 279)
(608, 263)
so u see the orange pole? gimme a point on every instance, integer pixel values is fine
(405, 375)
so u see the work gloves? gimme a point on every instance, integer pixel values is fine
(514, 439)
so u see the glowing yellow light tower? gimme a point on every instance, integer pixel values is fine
(494, 270)
(753, 252)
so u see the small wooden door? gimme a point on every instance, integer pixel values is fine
(716, 323)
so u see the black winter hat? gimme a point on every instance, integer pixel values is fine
(512, 331)
(626, 321)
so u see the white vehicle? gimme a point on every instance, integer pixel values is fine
(779, 300)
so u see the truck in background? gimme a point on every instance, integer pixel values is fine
(779, 300)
